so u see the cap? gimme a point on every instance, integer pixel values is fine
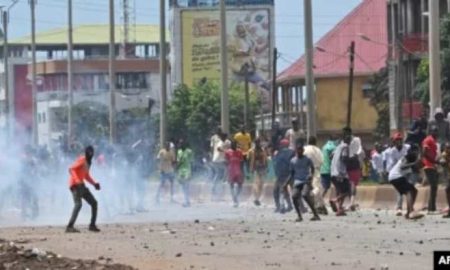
(284, 142)
(397, 136)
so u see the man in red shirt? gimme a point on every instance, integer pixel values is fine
(79, 172)
(429, 160)
(234, 158)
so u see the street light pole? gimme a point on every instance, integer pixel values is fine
(6, 70)
(435, 61)
(225, 115)
(33, 72)
(70, 72)
(311, 123)
(112, 75)
(163, 72)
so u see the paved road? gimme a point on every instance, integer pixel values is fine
(248, 238)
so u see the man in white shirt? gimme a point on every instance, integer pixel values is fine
(295, 135)
(398, 177)
(314, 153)
(393, 155)
(219, 165)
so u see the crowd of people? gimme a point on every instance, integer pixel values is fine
(303, 172)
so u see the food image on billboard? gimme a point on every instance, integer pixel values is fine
(248, 41)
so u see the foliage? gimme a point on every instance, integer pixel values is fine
(422, 88)
(194, 113)
(380, 101)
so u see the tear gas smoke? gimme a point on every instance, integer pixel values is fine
(34, 180)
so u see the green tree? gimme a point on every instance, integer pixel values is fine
(422, 86)
(380, 101)
(194, 113)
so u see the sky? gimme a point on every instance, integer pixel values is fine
(289, 27)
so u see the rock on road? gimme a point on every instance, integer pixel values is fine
(216, 236)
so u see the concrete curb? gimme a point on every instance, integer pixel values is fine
(382, 196)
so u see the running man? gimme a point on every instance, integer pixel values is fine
(234, 159)
(258, 167)
(244, 143)
(167, 161)
(398, 177)
(282, 160)
(393, 155)
(325, 169)
(302, 170)
(339, 175)
(315, 155)
(79, 172)
(184, 162)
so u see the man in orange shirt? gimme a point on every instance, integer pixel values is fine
(79, 172)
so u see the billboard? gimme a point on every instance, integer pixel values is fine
(248, 40)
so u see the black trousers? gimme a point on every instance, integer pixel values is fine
(82, 192)
(433, 179)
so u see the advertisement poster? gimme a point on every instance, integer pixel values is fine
(248, 41)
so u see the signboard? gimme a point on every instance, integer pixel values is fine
(248, 40)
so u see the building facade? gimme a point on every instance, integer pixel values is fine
(137, 76)
(331, 73)
(408, 46)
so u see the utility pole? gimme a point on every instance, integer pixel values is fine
(70, 72)
(33, 72)
(163, 72)
(350, 85)
(435, 61)
(247, 98)
(225, 115)
(274, 85)
(6, 70)
(112, 75)
(311, 123)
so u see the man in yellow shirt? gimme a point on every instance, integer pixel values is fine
(244, 143)
(167, 160)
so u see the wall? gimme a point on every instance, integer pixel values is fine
(332, 95)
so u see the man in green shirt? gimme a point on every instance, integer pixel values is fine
(184, 162)
(325, 169)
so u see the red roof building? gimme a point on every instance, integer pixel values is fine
(366, 25)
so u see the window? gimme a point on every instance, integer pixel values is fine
(135, 80)
(367, 89)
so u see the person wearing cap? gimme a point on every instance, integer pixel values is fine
(325, 169)
(430, 160)
(398, 177)
(282, 161)
(295, 135)
(392, 156)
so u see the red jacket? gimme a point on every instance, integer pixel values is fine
(79, 171)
